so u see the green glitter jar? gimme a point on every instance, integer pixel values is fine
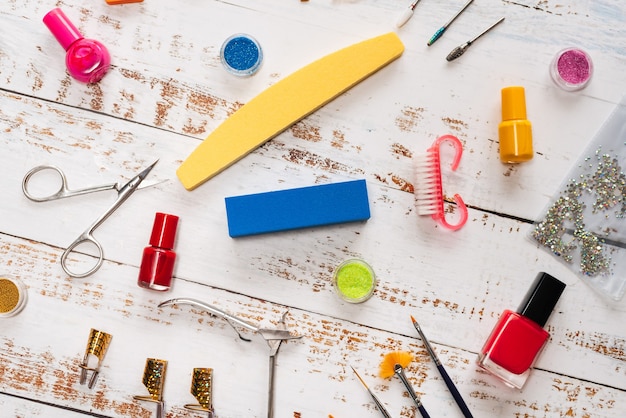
(354, 281)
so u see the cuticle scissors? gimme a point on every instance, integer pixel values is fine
(123, 193)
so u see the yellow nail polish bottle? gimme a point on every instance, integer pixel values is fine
(515, 131)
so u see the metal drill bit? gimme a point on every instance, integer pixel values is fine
(460, 50)
(442, 29)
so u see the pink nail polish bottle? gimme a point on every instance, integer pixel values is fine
(87, 60)
(157, 263)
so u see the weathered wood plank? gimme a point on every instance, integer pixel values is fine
(43, 365)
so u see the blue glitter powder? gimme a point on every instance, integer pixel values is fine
(241, 55)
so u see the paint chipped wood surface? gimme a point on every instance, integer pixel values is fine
(167, 91)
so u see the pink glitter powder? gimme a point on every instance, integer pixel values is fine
(571, 69)
(573, 66)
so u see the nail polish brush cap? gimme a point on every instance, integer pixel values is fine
(541, 298)
(62, 28)
(164, 231)
(513, 103)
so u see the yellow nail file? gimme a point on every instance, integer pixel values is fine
(285, 103)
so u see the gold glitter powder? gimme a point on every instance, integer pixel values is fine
(9, 295)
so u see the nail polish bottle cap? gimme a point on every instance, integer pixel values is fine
(541, 298)
(164, 231)
(61, 27)
(513, 103)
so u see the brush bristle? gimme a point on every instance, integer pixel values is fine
(388, 365)
(427, 184)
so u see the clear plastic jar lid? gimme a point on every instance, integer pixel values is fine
(354, 281)
(13, 296)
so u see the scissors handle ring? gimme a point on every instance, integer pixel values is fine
(60, 193)
(85, 237)
(63, 191)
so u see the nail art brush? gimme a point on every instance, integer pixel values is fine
(406, 15)
(395, 363)
(442, 29)
(446, 378)
(378, 403)
(460, 50)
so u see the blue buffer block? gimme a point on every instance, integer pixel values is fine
(297, 208)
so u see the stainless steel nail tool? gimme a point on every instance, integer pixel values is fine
(273, 337)
(87, 237)
(460, 50)
(274, 346)
(267, 334)
(442, 29)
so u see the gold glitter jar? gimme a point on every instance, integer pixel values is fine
(13, 296)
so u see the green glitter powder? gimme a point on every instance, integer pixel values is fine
(355, 281)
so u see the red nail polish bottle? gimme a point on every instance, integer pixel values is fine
(518, 337)
(157, 264)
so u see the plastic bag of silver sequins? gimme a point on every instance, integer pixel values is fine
(585, 223)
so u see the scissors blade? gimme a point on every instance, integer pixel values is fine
(275, 343)
(136, 181)
(277, 334)
(150, 184)
(122, 195)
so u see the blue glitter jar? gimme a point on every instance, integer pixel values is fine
(241, 55)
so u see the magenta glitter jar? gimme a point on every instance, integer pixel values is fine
(571, 69)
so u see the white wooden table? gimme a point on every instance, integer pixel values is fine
(167, 91)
